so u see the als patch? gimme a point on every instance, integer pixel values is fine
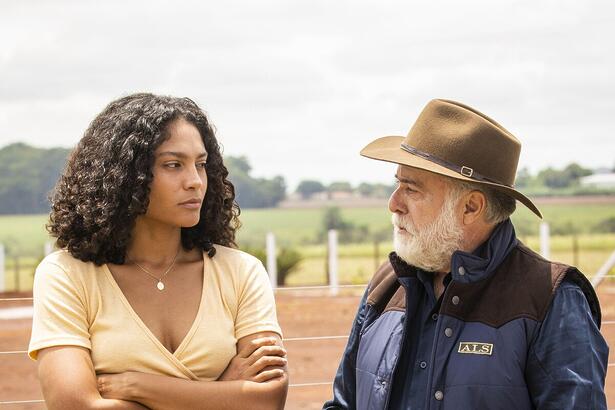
(475, 348)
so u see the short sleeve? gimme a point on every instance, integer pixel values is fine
(256, 307)
(60, 314)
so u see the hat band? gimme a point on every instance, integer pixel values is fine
(462, 170)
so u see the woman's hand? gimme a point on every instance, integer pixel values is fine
(117, 386)
(259, 360)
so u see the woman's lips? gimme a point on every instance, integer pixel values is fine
(191, 204)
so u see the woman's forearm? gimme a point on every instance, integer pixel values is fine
(91, 403)
(68, 381)
(169, 393)
(111, 404)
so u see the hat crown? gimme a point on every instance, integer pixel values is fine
(463, 137)
(454, 140)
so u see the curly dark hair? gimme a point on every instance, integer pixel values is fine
(106, 182)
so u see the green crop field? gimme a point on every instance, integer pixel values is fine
(24, 237)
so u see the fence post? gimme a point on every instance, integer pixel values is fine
(2, 275)
(604, 270)
(332, 244)
(376, 255)
(48, 247)
(17, 272)
(545, 251)
(575, 249)
(272, 266)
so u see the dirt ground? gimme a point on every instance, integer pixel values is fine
(305, 314)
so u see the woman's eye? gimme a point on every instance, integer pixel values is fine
(202, 165)
(172, 165)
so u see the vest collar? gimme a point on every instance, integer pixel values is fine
(471, 267)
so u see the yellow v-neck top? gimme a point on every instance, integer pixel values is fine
(80, 304)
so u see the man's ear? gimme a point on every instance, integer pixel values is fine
(474, 207)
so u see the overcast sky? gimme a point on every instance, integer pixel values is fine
(299, 87)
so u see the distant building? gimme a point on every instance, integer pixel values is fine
(599, 181)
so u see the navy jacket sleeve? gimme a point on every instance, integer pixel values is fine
(344, 383)
(567, 361)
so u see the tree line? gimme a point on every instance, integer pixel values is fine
(548, 181)
(28, 174)
(308, 188)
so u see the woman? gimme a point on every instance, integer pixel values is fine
(147, 304)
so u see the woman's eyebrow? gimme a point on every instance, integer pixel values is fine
(181, 154)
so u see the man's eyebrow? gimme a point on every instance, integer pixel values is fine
(409, 181)
(181, 154)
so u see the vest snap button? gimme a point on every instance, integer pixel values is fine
(448, 332)
(423, 365)
(455, 300)
(439, 395)
(461, 270)
(434, 316)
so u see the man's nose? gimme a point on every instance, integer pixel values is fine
(396, 203)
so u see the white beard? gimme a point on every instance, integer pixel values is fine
(429, 248)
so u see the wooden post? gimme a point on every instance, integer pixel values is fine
(545, 250)
(48, 248)
(2, 269)
(575, 249)
(332, 246)
(376, 255)
(272, 265)
(604, 270)
(16, 259)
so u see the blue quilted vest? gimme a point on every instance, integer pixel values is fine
(480, 347)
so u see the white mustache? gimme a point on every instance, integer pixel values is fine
(400, 223)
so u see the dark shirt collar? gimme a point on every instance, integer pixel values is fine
(476, 265)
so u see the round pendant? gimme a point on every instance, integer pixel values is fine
(160, 285)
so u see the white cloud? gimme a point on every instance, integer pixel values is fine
(299, 87)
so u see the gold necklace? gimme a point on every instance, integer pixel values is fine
(159, 283)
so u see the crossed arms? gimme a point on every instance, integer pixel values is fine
(256, 378)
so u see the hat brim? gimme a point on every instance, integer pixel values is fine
(389, 149)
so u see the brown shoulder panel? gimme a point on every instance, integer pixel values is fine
(522, 287)
(559, 271)
(385, 292)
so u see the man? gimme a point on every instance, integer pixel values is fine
(464, 316)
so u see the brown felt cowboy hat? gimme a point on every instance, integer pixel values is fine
(452, 139)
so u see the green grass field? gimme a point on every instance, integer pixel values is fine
(299, 226)
(24, 237)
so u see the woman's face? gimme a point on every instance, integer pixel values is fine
(179, 185)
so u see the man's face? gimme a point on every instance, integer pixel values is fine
(427, 223)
